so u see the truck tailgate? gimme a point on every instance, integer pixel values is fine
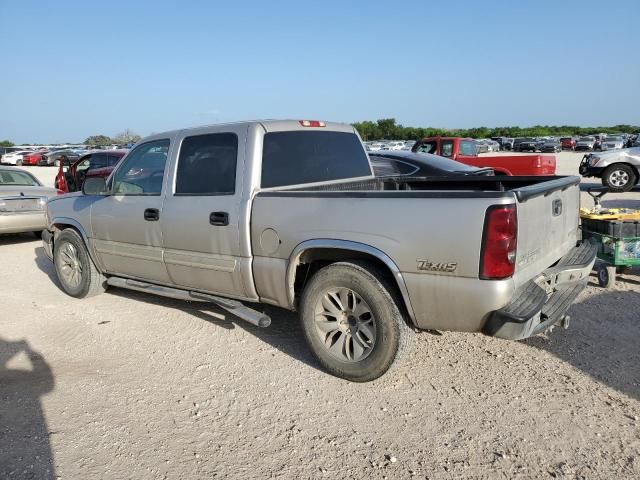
(547, 221)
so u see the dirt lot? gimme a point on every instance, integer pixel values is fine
(126, 385)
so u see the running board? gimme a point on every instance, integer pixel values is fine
(234, 307)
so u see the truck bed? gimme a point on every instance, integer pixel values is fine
(461, 186)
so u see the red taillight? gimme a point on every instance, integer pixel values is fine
(60, 192)
(499, 242)
(311, 123)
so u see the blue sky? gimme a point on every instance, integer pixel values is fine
(75, 68)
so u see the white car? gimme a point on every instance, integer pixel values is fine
(15, 158)
(612, 143)
(395, 145)
(374, 147)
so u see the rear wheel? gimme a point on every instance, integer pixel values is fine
(38, 234)
(78, 275)
(19, 163)
(619, 177)
(352, 322)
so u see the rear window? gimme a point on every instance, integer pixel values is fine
(293, 158)
(16, 178)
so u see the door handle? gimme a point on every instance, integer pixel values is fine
(220, 219)
(152, 214)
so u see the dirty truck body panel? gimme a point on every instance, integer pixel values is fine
(246, 237)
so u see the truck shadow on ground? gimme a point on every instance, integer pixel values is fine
(284, 333)
(17, 238)
(586, 186)
(46, 266)
(602, 340)
(25, 451)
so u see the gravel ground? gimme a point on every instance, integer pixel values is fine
(126, 385)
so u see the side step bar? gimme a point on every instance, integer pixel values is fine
(234, 307)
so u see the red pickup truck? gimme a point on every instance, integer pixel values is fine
(464, 150)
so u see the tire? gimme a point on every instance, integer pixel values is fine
(38, 234)
(606, 276)
(69, 253)
(380, 331)
(18, 163)
(619, 177)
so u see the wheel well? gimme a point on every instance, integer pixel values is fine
(633, 167)
(59, 227)
(312, 260)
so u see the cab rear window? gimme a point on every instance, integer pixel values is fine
(294, 158)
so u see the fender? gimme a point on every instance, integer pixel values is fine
(294, 261)
(83, 234)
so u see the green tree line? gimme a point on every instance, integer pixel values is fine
(387, 128)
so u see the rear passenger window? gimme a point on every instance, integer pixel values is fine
(293, 158)
(207, 165)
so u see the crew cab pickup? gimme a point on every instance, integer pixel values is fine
(288, 213)
(464, 150)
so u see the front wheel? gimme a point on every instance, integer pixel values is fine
(78, 275)
(619, 177)
(352, 322)
(607, 276)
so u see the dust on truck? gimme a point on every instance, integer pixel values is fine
(288, 213)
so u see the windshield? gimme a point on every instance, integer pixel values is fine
(613, 139)
(586, 139)
(17, 178)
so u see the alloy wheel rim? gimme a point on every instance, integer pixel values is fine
(345, 325)
(70, 266)
(619, 178)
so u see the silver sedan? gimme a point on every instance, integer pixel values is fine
(23, 202)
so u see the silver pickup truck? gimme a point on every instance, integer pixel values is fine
(288, 213)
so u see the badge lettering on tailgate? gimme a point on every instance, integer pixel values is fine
(444, 267)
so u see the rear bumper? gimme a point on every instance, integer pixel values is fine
(47, 244)
(22, 222)
(544, 301)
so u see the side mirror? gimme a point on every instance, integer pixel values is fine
(94, 186)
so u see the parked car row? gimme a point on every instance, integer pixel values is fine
(49, 156)
(41, 157)
(377, 146)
